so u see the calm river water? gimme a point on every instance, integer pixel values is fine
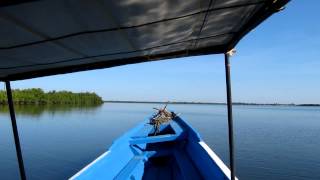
(272, 142)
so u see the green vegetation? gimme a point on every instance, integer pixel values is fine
(38, 96)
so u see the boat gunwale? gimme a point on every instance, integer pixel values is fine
(215, 158)
(89, 165)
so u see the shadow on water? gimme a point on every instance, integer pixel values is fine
(38, 110)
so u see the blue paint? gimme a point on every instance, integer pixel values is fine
(174, 153)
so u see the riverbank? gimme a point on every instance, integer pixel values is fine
(37, 96)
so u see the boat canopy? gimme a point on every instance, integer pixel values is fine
(47, 37)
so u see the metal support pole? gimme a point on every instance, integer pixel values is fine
(15, 131)
(230, 123)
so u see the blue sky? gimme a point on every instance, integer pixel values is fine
(276, 62)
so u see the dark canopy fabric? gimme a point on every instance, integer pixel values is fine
(40, 38)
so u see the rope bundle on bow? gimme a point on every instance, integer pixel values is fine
(162, 116)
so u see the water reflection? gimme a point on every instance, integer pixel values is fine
(38, 110)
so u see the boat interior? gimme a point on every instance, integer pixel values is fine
(172, 153)
(164, 155)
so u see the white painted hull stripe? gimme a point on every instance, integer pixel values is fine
(216, 159)
(88, 166)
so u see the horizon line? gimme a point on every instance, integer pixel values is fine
(213, 103)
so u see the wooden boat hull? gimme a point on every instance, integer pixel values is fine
(176, 152)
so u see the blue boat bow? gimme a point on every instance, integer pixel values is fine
(176, 152)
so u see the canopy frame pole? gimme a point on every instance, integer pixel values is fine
(15, 130)
(230, 119)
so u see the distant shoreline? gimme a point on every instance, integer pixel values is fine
(212, 103)
(37, 96)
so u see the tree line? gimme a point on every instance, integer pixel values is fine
(38, 96)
